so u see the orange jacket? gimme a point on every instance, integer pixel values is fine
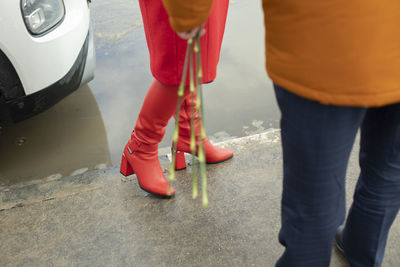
(335, 52)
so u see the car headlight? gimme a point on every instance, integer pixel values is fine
(42, 15)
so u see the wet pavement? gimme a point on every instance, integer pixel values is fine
(101, 218)
(62, 204)
(88, 129)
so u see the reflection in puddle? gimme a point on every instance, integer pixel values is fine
(67, 139)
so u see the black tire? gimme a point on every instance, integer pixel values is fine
(10, 84)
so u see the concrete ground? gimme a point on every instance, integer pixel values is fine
(101, 218)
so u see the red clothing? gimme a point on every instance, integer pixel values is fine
(167, 50)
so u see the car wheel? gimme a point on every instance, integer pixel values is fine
(10, 84)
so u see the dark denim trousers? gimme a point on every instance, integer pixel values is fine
(317, 140)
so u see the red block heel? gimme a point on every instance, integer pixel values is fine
(126, 168)
(180, 162)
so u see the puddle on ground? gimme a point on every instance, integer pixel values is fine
(65, 139)
(89, 129)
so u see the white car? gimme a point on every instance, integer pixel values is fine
(46, 52)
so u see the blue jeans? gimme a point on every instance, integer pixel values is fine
(317, 140)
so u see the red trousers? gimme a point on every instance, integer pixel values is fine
(167, 50)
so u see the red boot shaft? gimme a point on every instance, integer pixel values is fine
(141, 152)
(213, 154)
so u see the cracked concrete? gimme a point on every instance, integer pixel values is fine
(100, 218)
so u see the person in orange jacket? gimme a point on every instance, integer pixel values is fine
(336, 69)
(167, 54)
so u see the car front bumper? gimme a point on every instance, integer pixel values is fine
(81, 72)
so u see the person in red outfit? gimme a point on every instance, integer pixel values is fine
(167, 54)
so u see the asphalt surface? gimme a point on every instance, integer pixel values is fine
(101, 218)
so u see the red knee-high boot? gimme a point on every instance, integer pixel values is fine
(140, 155)
(213, 154)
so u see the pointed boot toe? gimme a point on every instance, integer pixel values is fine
(216, 154)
